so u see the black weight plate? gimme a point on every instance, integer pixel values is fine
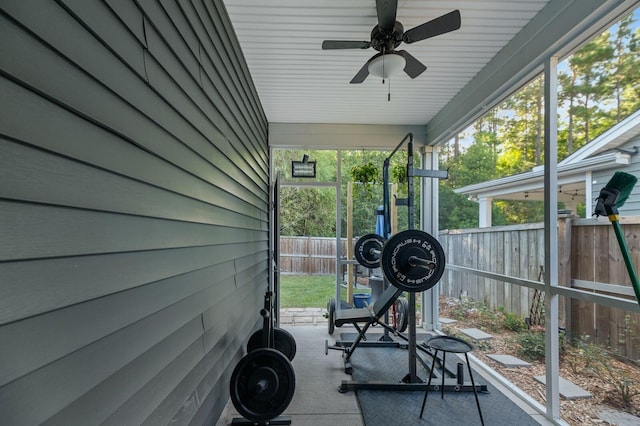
(402, 312)
(331, 309)
(398, 268)
(362, 250)
(283, 342)
(262, 385)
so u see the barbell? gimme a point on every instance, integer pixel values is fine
(411, 260)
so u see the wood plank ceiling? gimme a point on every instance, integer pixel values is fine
(298, 82)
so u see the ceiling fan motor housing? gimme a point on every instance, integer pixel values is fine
(382, 40)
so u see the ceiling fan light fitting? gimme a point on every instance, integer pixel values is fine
(387, 65)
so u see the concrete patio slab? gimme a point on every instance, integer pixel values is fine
(618, 418)
(447, 321)
(476, 334)
(568, 390)
(509, 360)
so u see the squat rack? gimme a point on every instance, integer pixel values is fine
(411, 381)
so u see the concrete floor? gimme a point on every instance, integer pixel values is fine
(316, 401)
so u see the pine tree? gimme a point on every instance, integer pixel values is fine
(588, 64)
(620, 70)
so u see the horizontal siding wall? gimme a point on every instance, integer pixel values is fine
(133, 211)
(632, 206)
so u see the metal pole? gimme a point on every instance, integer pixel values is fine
(411, 317)
(386, 199)
(410, 185)
(412, 377)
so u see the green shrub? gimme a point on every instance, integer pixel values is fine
(462, 310)
(623, 382)
(489, 318)
(531, 345)
(514, 322)
(585, 356)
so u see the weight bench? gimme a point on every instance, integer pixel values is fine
(369, 315)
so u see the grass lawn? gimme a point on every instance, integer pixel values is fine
(313, 291)
(309, 291)
(306, 291)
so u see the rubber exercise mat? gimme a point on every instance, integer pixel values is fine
(385, 408)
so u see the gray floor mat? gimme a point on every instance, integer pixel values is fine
(384, 408)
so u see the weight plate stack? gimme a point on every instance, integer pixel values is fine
(262, 385)
(283, 341)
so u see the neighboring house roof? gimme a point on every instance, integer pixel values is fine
(616, 136)
(599, 154)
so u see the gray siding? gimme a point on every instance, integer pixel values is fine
(133, 211)
(632, 206)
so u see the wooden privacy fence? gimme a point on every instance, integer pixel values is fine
(516, 251)
(589, 259)
(309, 255)
(598, 266)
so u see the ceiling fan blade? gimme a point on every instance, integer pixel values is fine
(413, 67)
(387, 10)
(345, 44)
(443, 24)
(362, 74)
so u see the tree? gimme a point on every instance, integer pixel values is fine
(476, 164)
(522, 131)
(307, 211)
(455, 210)
(621, 70)
(588, 64)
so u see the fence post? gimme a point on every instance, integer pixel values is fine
(564, 266)
(307, 268)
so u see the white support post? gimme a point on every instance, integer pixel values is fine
(551, 236)
(429, 223)
(588, 198)
(484, 219)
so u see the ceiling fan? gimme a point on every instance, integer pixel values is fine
(389, 34)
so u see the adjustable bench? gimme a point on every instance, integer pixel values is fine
(369, 315)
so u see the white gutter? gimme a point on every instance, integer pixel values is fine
(533, 179)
